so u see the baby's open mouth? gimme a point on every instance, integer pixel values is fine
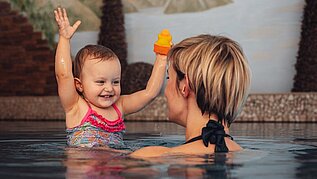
(106, 96)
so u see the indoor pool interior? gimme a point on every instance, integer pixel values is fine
(271, 150)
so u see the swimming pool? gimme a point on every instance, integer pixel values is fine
(271, 150)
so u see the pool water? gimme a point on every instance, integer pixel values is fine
(271, 150)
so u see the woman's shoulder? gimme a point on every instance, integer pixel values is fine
(195, 148)
(151, 151)
(232, 145)
(156, 151)
(198, 147)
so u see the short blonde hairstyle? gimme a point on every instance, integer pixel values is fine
(218, 74)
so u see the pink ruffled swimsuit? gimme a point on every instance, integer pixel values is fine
(96, 131)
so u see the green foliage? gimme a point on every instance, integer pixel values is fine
(42, 19)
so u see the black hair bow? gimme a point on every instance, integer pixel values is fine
(214, 133)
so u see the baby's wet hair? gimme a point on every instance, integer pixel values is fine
(91, 52)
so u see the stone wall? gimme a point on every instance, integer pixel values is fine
(26, 61)
(287, 107)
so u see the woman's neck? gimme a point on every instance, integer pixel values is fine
(196, 121)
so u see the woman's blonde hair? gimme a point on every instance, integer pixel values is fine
(217, 71)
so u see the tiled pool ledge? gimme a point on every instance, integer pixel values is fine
(282, 107)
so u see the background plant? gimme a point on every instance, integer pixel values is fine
(305, 79)
(40, 18)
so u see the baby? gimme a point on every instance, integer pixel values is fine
(90, 95)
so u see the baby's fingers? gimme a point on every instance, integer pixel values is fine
(60, 13)
(65, 14)
(76, 25)
(161, 56)
(56, 16)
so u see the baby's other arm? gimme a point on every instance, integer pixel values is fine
(63, 63)
(136, 101)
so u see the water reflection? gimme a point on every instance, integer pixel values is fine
(307, 159)
(91, 163)
(218, 165)
(104, 163)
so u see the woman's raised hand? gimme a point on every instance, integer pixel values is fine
(65, 29)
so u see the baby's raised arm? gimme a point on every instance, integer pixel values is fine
(136, 101)
(63, 63)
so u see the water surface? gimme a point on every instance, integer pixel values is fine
(271, 150)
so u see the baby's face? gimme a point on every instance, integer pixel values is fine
(101, 81)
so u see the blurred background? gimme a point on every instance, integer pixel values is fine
(269, 32)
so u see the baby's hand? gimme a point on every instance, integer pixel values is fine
(160, 56)
(65, 29)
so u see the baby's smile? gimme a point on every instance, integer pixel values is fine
(106, 96)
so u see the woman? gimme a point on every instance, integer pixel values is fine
(208, 83)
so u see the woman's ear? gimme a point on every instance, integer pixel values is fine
(184, 87)
(78, 85)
